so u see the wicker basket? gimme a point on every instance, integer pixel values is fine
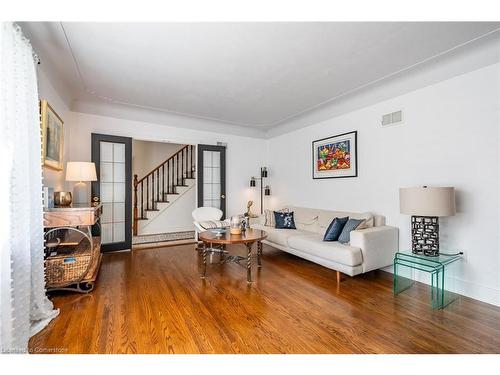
(66, 269)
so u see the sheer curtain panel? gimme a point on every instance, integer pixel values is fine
(24, 307)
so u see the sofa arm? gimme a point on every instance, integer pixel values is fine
(378, 246)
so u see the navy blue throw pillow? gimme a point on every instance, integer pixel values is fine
(335, 228)
(352, 224)
(284, 220)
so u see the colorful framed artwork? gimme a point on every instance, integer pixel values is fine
(335, 157)
(52, 137)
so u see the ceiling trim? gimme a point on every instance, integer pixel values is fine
(133, 113)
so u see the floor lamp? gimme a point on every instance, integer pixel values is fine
(263, 190)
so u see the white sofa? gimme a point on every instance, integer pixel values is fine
(369, 249)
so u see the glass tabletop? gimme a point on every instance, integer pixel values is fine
(441, 259)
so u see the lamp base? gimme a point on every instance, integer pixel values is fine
(80, 193)
(425, 235)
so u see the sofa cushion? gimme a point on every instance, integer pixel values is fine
(279, 236)
(335, 228)
(334, 251)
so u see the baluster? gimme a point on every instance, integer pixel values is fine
(182, 166)
(152, 191)
(168, 177)
(157, 184)
(135, 206)
(186, 151)
(187, 161)
(163, 182)
(177, 174)
(147, 192)
(142, 199)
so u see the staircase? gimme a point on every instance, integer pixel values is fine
(156, 191)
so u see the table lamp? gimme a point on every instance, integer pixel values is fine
(426, 205)
(81, 172)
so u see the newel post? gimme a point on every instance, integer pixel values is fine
(136, 217)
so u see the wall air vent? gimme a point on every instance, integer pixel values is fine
(393, 118)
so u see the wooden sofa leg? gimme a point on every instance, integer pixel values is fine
(339, 277)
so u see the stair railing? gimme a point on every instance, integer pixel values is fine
(162, 180)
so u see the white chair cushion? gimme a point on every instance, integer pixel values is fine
(206, 213)
(334, 250)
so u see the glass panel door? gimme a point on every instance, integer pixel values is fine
(112, 156)
(112, 186)
(211, 177)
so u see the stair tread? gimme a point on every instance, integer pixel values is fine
(161, 201)
(151, 209)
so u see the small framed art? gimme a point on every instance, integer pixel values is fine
(335, 157)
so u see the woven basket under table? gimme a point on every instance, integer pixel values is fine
(69, 268)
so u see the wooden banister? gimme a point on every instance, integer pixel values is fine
(159, 166)
(177, 168)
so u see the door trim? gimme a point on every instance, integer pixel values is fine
(96, 138)
(199, 167)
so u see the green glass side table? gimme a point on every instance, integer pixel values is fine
(438, 267)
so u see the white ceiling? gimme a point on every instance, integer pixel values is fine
(247, 74)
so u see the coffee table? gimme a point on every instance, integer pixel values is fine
(248, 238)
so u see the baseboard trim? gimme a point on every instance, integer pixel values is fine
(465, 288)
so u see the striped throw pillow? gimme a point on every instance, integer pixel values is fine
(269, 217)
(213, 224)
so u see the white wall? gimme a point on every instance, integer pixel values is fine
(52, 177)
(244, 156)
(450, 137)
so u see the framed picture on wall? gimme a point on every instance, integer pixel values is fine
(52, 137)
(336, 156)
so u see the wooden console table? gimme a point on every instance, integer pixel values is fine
(75, 265)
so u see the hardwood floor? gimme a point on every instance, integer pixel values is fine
(154, 301)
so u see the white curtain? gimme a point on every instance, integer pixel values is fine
(24, 307)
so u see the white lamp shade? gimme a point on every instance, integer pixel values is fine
(80, 171)
(427, 201)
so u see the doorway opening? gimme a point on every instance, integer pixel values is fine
(164, 193)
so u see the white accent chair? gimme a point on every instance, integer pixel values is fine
(204, 214)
